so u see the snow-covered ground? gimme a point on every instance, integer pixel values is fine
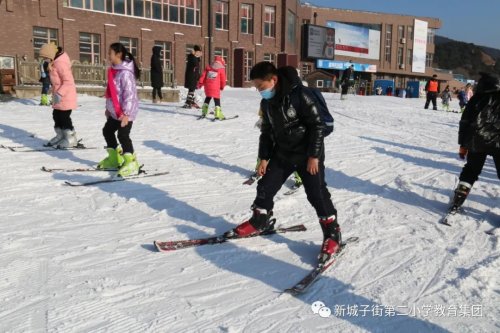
(82, 260)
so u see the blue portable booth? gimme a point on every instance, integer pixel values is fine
(384, 84)
(413, 89)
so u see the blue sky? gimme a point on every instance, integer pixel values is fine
(474, 21)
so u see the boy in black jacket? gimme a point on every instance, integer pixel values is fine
(291, 140)
(479, 135)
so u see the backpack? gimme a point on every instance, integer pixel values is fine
(322, 110)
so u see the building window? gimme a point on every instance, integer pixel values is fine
(306, 69)
(43, 36)
(224, 53)
(270, 21)
(319, 83)
(90, 48)
(131, 44)
(166, 53)
(248, 64)
(410, 57)
(246, 18)
(177, 11)
(388, 42)
(291, 33)
(430, 35)
(401, 31)
(270, 57)
(138, 8)
(221, 15)
(410, 32)
(400, 56)
(429, 58)
(119, 6)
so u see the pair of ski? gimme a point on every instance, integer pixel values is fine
(26, 149)
(141, 174)
(298, 288)
(215, 119)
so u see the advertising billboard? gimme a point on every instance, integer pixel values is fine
(419, 46)
(355, 41)
(342, 65)
(319, 42)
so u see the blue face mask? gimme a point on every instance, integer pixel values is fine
(268, 93)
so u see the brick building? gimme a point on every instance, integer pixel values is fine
(243, 32)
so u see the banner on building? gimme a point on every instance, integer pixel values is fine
(355, 41)
(419, 46)
(319, 42)
(342, 65)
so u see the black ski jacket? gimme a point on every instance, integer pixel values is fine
(291, 134)
(479, 129)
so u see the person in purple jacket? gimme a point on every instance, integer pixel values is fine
(121, 110)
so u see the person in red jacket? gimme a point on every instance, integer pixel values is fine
(214, 81)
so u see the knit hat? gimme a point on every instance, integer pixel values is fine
(48, 51)
(220, 60)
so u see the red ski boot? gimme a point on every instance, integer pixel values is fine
(332, 238)
(258, 222)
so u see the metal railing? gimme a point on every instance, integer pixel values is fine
(28, 73)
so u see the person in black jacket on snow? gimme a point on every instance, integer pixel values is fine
(345, 81)
(291, 140)
(192, 76)
(479, 135)
(156, 73)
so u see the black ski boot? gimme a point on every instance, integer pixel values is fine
(461, 193)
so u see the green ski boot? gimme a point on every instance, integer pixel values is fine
(113, 161)
(218, 113)
(130, 166)
(204, 110)
(44, 100)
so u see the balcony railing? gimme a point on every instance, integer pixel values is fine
(28, 73)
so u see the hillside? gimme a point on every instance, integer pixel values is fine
(467, 59)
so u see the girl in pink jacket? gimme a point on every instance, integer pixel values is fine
(122, 105)
(214, 80)
(63, 96)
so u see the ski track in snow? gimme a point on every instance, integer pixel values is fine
(82, 259)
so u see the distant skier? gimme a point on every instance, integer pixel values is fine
(45, 81)
(432, 88)
(291, 139)
(446, 98)
(156, 74)
(462, 99)
(214, 81)
(192, 76)
(121, 110)
(479, 135)
(345, 81)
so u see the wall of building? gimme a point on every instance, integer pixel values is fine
(17, 39)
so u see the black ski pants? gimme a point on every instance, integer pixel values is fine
(62, 119)
(315, 186)
(474, 166)
(112, 125)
